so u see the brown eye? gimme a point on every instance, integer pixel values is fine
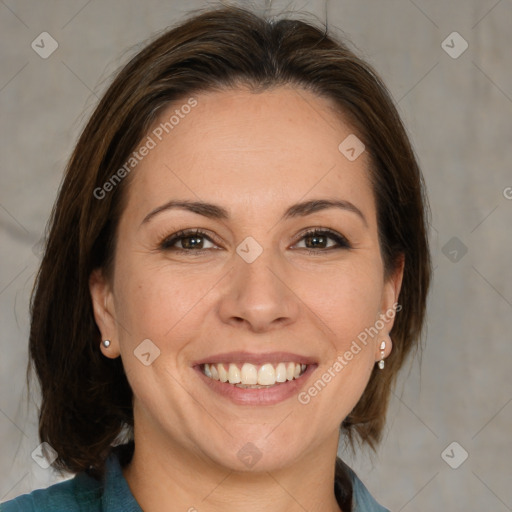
(191, 241)
(318, 240)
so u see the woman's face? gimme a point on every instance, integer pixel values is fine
(252, 287)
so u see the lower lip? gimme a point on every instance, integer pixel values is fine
(262, 396)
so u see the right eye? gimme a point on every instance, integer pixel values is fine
(191, 240)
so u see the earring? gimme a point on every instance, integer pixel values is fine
(106, 343)
(381, 362)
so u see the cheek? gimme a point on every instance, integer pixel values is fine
(347, 299)
(152, 301)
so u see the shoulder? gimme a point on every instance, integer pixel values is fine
(78, 494)
(362, 499)
(83, 493)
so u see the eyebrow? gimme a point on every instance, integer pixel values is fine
(213, 211)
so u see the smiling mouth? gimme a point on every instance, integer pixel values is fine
(250, 376)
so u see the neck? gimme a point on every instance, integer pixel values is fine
(163, 474)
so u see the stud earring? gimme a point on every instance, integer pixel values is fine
(381, 362)
(106, 343)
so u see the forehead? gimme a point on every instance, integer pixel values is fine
(251, 150)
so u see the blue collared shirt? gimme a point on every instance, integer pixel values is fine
(83, 493)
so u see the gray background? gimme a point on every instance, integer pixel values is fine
(459, 114)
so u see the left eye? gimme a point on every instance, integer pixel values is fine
(319, 239)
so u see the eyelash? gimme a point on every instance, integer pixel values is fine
(167, 243)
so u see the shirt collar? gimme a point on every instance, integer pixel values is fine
(117, 496)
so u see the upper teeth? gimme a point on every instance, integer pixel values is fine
(249, 374)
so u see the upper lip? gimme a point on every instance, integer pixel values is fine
(251, 357)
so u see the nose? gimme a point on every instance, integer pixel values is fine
(259, 295)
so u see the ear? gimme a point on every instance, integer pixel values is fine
(104, 312)
(390, 306)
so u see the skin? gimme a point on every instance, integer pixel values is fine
(255, 155)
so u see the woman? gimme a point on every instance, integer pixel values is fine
(237, 266)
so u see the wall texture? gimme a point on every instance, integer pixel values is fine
(457, 105)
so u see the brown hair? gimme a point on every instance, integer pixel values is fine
(86, 399)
